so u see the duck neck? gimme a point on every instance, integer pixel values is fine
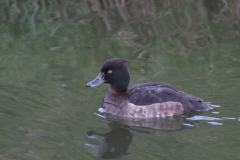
(119, 89)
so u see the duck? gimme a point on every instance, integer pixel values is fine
(145, 100)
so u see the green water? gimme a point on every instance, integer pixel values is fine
(46, 111)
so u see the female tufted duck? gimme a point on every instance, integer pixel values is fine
(142, 100)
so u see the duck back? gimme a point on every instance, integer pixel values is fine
(149, 93)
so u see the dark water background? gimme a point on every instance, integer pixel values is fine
(49, 50)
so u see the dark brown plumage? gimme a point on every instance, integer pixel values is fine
(148, 93)
(142, 100)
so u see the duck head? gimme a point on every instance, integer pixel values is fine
(114, 72)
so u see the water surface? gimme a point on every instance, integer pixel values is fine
(47, 112)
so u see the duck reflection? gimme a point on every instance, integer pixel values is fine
(116, 142)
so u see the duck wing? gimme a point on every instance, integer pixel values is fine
(150, 93)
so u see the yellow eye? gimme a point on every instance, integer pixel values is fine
(112, 149)
(110, 71)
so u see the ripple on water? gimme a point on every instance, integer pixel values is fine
(215, 123)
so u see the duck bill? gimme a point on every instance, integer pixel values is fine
(97, 81)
